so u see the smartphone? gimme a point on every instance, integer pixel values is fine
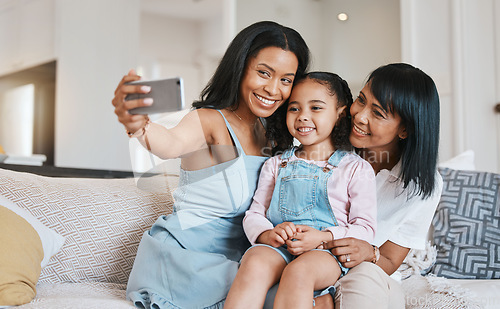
(167, 94)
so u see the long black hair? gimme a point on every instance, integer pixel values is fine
(223, 88)
(336, 86)
(409, 92)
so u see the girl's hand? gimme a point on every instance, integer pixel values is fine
(307, 238)
(278, 235)
(131, 122)
(350, 251)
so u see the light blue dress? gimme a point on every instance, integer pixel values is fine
(189, 258)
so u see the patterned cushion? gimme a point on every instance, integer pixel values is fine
(102, 219)
(466, 226)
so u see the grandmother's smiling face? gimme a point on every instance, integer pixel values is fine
(374, 128)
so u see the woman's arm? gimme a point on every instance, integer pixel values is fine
(391, 255)
(188, 136)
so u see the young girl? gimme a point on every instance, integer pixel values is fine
(307, 196)
(189, 258)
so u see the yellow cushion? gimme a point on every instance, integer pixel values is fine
(21, 253)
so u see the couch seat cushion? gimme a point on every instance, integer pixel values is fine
(85, 295)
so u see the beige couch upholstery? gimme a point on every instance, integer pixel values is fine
(102, 221)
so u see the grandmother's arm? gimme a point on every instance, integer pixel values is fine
(391, 256)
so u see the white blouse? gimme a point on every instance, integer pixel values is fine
(402, 220)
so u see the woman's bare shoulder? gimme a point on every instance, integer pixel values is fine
(208, 113)
(212, 123)
(210, 117)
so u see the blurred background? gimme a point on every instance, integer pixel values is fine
(61, 60)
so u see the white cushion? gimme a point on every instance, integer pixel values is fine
(463, 161)
(51, 241)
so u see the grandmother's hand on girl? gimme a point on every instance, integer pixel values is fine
(131, 122)
(350, 251)
(307, 239)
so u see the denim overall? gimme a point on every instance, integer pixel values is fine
(300, 195)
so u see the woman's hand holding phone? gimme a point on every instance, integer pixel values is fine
(132, 123)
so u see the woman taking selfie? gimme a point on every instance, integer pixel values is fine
(189, 258)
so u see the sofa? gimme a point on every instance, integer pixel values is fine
(89, 231)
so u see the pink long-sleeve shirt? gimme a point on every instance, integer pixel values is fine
(351, 193)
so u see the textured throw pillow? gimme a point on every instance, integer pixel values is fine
(25, 247)
(466, 226)
(102, 219)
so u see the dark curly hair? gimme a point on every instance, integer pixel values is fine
(340, 134)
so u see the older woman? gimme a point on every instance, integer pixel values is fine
(395, 127)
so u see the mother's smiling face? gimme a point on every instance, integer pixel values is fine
(374, 128)
(267, 81)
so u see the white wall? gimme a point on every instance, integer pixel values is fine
(26, 34)
(216, 34)
(301, 15)
(456, 46)
(428, 47)
(17, 110)
(368, 39)
(97, 43)
(171, 47)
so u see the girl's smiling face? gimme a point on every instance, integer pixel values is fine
(311, 116)
(374, 128)
(268, 80)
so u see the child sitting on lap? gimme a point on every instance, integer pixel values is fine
(306, 196)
